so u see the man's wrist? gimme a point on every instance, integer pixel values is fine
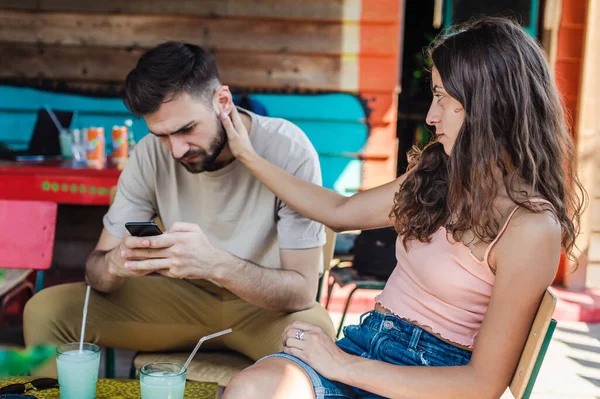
(111, 259)
(98, 271)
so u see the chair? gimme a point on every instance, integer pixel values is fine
(328, 250)
(535, 348)
(344, 274)
(26, 244)
(221, 366)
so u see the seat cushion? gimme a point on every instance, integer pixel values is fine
(12, 278)
(219, 367)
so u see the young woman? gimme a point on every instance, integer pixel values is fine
(481, 215)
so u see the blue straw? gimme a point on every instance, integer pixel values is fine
(53, 117)
(74, 120)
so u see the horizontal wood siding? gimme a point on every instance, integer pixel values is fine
(334, 45)
(322, 10)
(281, 46)
(111, 64)
(236, 34)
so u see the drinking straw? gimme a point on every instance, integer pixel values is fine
(53, 117)
(85, 310)
(74, 119)
(217, 334)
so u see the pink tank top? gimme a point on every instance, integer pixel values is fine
(441, 285)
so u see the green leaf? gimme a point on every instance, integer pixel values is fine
(18, 362)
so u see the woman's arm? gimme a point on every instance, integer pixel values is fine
(365, 210)
(523, 274)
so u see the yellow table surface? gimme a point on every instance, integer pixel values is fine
(121, 389)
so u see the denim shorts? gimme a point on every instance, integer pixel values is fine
(387, 338)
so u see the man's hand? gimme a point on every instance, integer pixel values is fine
(181, 252)
(116, 259)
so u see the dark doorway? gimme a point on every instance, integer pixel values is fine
(415, 97)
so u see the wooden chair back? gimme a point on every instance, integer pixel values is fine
(535, 348)
(328, 249)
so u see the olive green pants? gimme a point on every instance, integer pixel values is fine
(156, 313)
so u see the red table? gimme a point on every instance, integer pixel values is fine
(62, 182)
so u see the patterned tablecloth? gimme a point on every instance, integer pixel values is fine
(122, 389)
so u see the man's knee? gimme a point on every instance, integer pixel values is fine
(51, 311)
(318, 316)
(264, 335)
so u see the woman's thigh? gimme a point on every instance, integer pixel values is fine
(380, 337)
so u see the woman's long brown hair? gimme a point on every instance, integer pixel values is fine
(514, 134)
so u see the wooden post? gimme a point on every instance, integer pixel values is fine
(569, 70)
(588, 144)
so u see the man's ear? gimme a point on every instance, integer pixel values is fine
(222, 100)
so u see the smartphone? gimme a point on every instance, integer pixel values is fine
(143, 229)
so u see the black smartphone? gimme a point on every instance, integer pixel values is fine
(143, 229)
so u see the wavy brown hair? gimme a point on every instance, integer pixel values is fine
(514, 134)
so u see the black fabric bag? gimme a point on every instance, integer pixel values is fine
(375, 252)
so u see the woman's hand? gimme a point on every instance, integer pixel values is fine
(311, 345)
(237, 135)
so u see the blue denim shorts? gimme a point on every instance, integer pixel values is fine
(387, 338)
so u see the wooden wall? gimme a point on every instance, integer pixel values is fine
(568, 70)
(588, 143)
(348, 46)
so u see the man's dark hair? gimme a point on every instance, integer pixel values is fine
(167, 70)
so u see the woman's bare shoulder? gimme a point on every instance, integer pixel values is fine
(530, 237)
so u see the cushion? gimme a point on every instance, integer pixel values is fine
(12, 278)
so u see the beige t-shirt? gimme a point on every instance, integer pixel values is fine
(236, 211)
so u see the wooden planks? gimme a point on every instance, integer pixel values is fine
(332, 10)
(321, 45)
(250, 70)
(268, 53)
(309, 37)
(66, 62)
(284, 71)
(382, 106)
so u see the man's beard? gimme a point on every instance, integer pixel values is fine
(208, 161)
